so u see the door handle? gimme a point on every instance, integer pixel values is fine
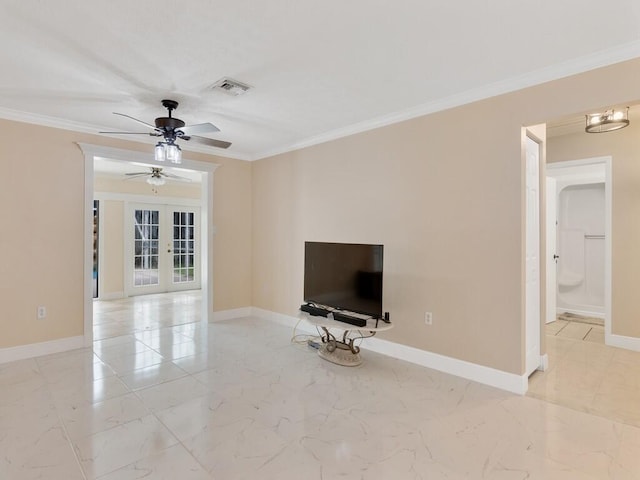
(168, 251)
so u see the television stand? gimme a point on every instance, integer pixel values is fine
(341, 349)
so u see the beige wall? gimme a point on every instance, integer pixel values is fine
(111, 253)
(624, 148)
(41, 207)
(444, 194)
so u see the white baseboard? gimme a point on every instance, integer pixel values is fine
(460, 368)
(111, 296)
(620, 341)
(11, 354)
(584, 313)
(230, 314)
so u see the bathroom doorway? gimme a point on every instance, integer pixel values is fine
(579, 253)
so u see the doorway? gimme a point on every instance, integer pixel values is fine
(579, 254)
(206, 228)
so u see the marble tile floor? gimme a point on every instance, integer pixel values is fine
(236, 400)
(586, 375)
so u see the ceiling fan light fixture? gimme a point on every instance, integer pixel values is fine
(174, 153)
(160, 153)
(608, 121)
(156, 181)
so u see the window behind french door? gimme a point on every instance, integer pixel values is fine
(163, 248)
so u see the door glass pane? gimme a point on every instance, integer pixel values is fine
(183, 245)
(145, 258)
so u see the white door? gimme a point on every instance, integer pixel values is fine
(552, 252)
(183, 247)
(532, 265)
(163, 251)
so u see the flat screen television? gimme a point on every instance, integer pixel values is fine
(346, 276)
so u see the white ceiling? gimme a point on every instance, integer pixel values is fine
(319, 69)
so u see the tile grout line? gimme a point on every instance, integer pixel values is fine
(62, 424)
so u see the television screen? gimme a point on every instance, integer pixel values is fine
(347, 276)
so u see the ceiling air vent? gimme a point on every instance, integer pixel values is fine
(230, 86)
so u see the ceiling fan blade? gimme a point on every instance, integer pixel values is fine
(138, 173)
(152, 127)
(153, 134)
(175, 177)
(209, 141)
(132, 177)
(199, 128)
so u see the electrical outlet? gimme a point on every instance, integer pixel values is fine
(428, 318)
(42, 313)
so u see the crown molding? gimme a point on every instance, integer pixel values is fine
(55, 122)
(574, 66)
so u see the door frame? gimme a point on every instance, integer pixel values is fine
(533, 324)
(207, 229)
(551, 219)
(606, 161)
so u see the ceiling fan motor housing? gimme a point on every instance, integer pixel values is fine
(169, 123)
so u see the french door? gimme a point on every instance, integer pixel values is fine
(162, 248)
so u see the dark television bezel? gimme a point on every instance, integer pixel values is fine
(377, 315)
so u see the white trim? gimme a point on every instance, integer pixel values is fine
(120, 154)
(207, 230)
(620, 341)
(231, 314)
(570, 67)
(510, 382)
(88, 250)
(55, 122)
(111, 296)
(544, 363)
(584, 313)
(453, 366)
(32, 350)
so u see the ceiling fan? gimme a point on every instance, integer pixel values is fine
(172, 129)
(156, 176)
